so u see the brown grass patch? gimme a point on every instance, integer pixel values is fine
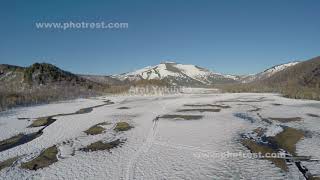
(181, 117)
(94, 130)
(286, 120)
(45, 159)
(42, 121)
(8, 162)
(100, 146)
(199, 110)
(123, 108)
(210, 105)
(254, 147)
(122, 126)
(314, 178)
(84, 110)
(288, 139)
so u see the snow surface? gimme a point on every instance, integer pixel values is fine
(162, 149)
(273, 130)
(192, 70)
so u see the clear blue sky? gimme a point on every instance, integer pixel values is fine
(238, 37)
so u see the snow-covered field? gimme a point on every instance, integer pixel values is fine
(159, 148)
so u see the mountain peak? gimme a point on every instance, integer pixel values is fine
(176, 73)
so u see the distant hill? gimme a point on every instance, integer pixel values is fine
(304, 74)
(266, 73)
(301, 80)
(41, 83)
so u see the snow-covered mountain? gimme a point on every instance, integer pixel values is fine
(178, 74)
(267, 73)
(192, 75)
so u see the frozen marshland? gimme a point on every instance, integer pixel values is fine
(172, 137)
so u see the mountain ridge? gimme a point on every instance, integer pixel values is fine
(300, 81)
(194, 75)
(176, 73)
(267, 72)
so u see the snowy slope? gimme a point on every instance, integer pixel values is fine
(267, 73)
(177, 73)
